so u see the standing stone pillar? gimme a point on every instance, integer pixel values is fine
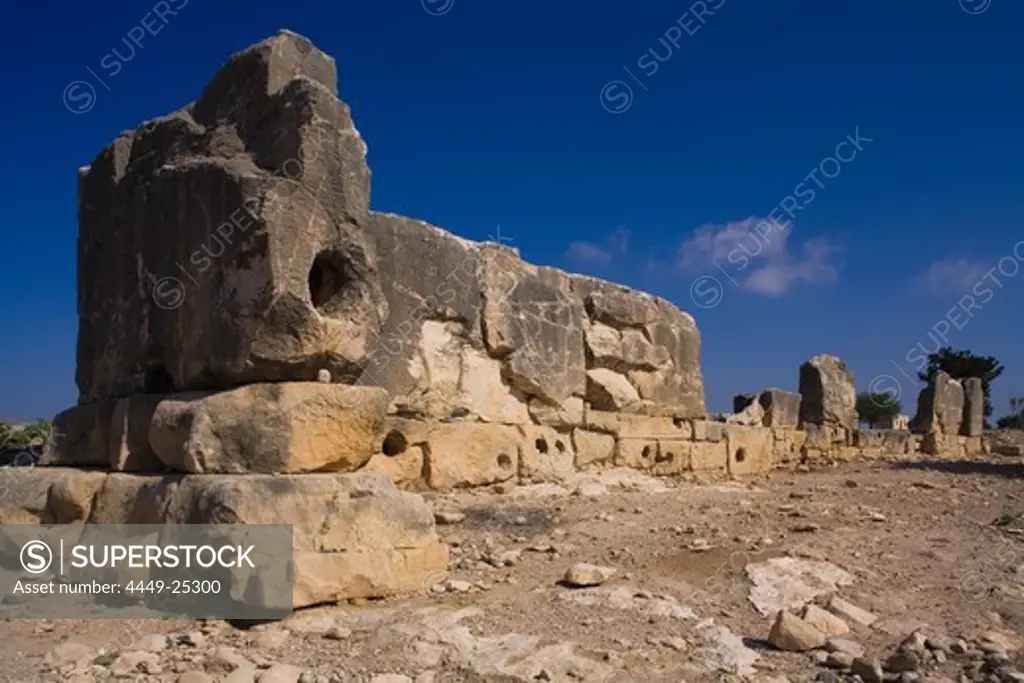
(974, 407)
(828, 396)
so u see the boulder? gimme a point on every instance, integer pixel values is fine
(940, 406)
(793, 634)
(265, 274)
(609, 390)
(569, 413)
(267, 428)
(974, 407)
(582, 575)
(827, 393)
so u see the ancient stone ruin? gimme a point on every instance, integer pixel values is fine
(257, 346)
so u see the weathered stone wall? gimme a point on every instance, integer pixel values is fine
(243, 312)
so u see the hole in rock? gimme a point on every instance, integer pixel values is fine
(159, 381)
(504, 462)
(741, 454)
(394, 444)
(541, 445)
(646, 454)
(327, 279)
(559, 446)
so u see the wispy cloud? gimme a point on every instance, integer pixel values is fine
(600, 253)
(756, 254)
(950, 276)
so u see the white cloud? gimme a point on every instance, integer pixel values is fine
(600, 254)
(755, 253)
(950, 276)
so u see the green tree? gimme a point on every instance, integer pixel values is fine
(874, 408)
(1015, 420)
(961, 364)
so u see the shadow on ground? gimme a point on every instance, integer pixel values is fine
(1009, 470)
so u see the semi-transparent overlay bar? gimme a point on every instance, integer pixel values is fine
(144, 571)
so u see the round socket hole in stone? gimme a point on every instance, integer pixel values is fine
(328, 280)
(504, 462)
(394, 444)
(559, 446)
(541, 445)
(741, 454)
(646, 453)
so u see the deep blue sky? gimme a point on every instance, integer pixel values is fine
(491, 114)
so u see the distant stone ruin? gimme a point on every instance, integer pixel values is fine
(257, 345)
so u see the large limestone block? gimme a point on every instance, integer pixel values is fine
(781, 408)
(135, 499)
(534, 322)
(467, 454)
(367, 573)
(592, 447)
(940, 406)
(673, 457)
(25, 494)
(267, 428)
(827, 393)
(637, 453)
(974, 407)
(265, 272)
(81, 436)
(709, 456)
(750, 449)
(626, 425)
(330, 513)
(546, 455)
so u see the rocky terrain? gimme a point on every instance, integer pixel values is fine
(884, 571)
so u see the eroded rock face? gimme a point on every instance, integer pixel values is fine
(225, 243)
(827, 393)
(460, 309)
(940, 406)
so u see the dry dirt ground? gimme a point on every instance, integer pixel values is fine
(931, 546)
